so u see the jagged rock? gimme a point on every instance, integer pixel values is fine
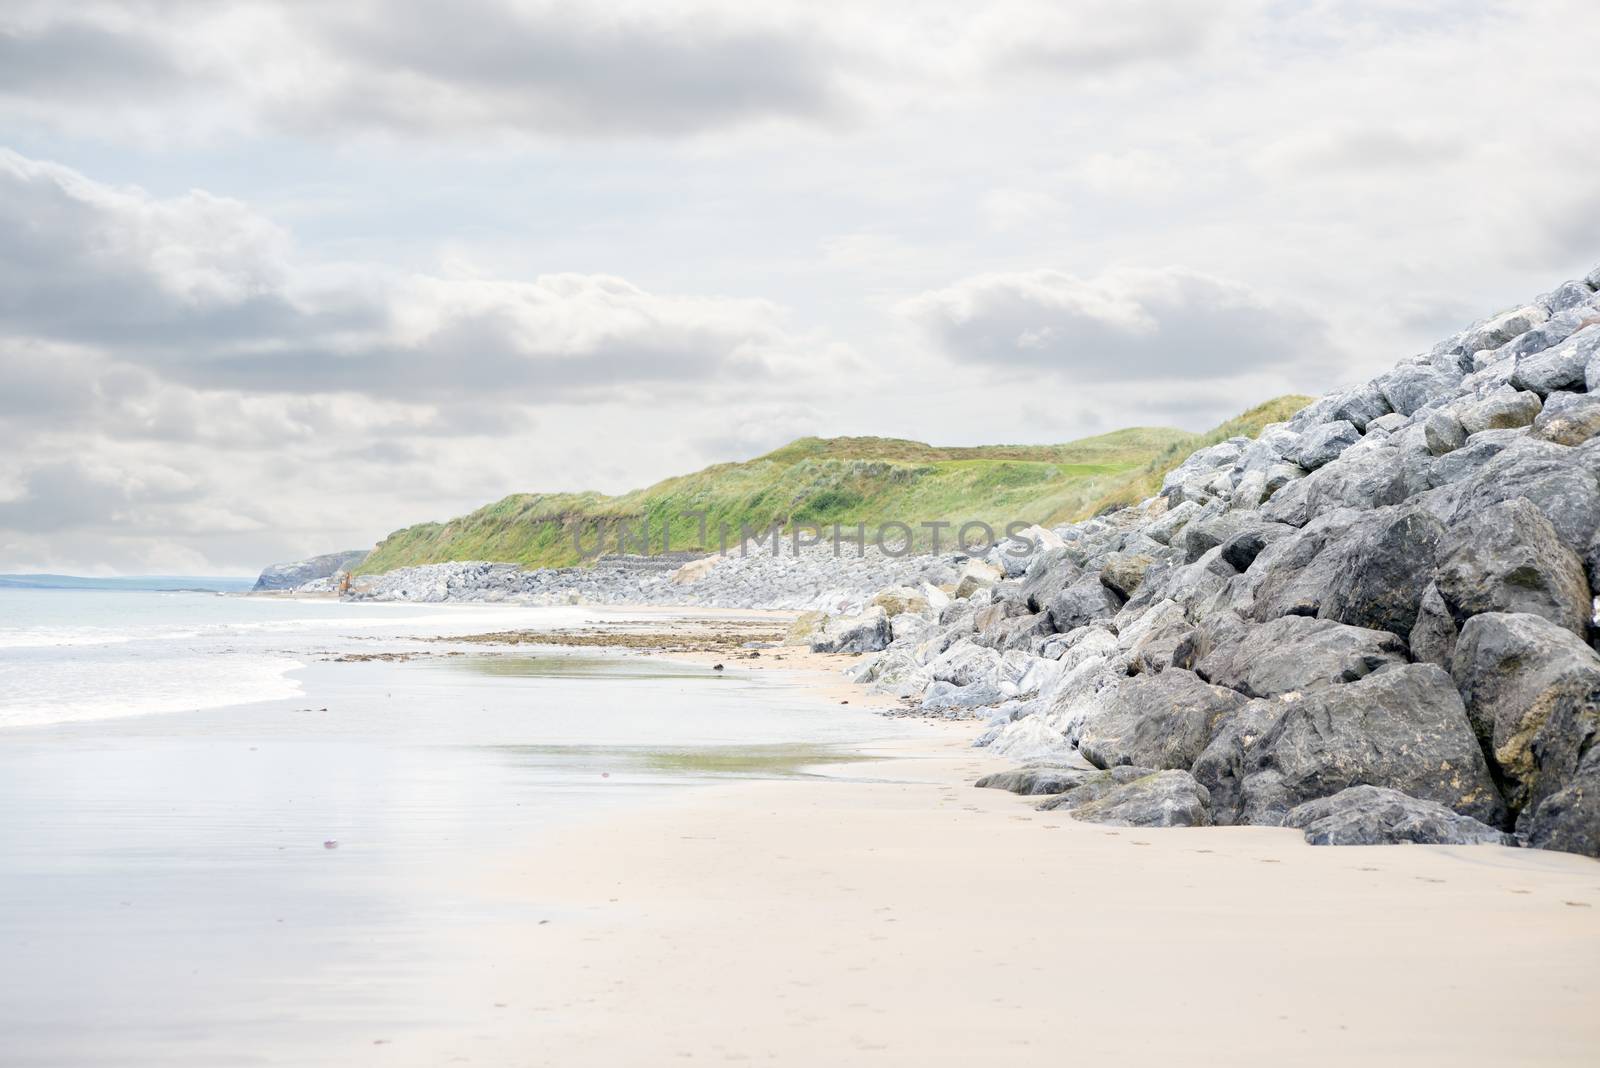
(1203, 535)
(1361, 406)
(1322, 445)
(1164, 799)
(1433, 636)
(1569, 819)
(1404, 727)
(1443, 433)
(1122, 572)
(866, 633)
(1500, 411)
(976, 576)
(1568, 295)
(1568, 418)
(1495, 332)
(1508, 558)
(1221, 767)
(1241, 550)
(1050, 572)
(898, 600)
(1561, 367)
(1175, 519)
(1532, 692)
(1371, 574)
(1566, 492)
(1031, 740)
(1409, 387)
(1151, 640)
(1294, 653)
(1374, 815)
(1083, 602)
(1157, 721)
(292, 575)
(1096, 786)
(1032, 780)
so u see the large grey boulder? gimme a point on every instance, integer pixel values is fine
(1560, 367)
(1203, 535)
(1361, 406)
(1296, 653)
(1568, 418)
(1500, 411)
(1508, 558)
(1547, 475)
(1161, 799)
(1569, 819)
(1122, 572)
(1151, 640)
(1083, 602)
(1494, 332)
(1157, 721)
(1164, 526)
(868, 632)
(298, 573)
(1032, 780)
(1404, 728)
(1443, 432)
(1532, 692)
(1568, 295)
(1049, 572)
(1433, 636)
(1376, 572)
(1321, 445)
(1409, 387)
(1096, 786)
(1221, 767)
(1375, 815)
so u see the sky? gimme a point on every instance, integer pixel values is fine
(280, 277)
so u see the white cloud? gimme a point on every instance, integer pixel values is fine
(1125, 325)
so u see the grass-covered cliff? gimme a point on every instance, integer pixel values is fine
(827, 481)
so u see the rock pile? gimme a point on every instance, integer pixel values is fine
(815, 579)
(1376, 621)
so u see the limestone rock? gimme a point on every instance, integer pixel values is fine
(1296, 653)
(1500, 411)
(1508, 558)
(1032, 780)
(1157, 721)
(1404, 728)
(868, 632)
(1532, 691)
(1375, 815)
(1165, 799)
(1123, 572)
(1083, 602)
(1560, 367)
(1322, 445)
(1569, 418)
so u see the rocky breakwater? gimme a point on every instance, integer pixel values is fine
(1375, 621)
(812, 579)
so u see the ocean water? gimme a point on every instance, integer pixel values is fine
(221, 846)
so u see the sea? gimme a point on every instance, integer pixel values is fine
(235, 832)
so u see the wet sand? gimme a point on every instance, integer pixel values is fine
(890, 913)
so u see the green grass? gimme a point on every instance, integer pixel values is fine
(825, 481)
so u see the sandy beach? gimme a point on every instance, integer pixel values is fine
(890, 913)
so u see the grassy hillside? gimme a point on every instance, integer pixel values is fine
(821, 481)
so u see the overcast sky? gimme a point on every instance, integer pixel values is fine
(277, 278)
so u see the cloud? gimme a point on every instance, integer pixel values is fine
(202, 290)
(420, 67)
(1126, 325)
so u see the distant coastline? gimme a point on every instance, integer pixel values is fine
(142, 583)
